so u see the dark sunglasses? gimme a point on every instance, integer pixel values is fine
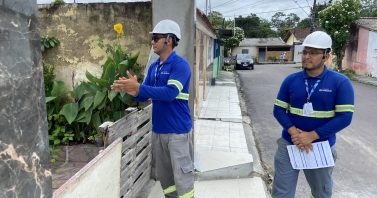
(156, 38)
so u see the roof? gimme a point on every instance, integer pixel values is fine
(200, 14)
(369, 23)
(258, 42)
(300, 33)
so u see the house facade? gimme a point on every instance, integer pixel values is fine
(361, 53)
(207, 59)
(264, 50)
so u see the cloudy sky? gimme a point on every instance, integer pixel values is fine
(263, 8)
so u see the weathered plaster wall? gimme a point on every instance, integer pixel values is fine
(79, 28)
(372, 54)
(356, 54)
(24, 156)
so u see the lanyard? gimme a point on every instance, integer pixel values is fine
(157, 73)
(311, 91)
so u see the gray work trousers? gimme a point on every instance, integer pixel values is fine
(174, 166)
(285, 177)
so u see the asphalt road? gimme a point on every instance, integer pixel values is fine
(355, 173)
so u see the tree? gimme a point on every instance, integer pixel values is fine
(369, 8)
(216, 19)
(336, 20)
(305, 23)
(234, 41)
(254, 27)
(282, 22)
(265, 30)
(218, 22)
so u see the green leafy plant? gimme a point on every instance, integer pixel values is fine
(94, 102)
(48, 42)
(48, 76)
(58, 2)
(348, 72)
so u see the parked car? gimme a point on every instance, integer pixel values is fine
(244, 61)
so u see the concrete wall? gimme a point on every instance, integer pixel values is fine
(356, 58)
(204, 55)
(297, 53)
(99, 178)
(372, 54)
(253, 51)
(79, 27)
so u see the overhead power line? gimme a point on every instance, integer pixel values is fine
(301, 7)
(244, 6)
(225, 3)
(268, 11)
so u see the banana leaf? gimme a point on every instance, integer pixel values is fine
(96, 80)
(98, 98)
(70, 111)
(57, 88)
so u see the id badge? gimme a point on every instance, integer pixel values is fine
(308, 109)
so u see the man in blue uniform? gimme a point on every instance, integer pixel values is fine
(312, 105)
(167, 84)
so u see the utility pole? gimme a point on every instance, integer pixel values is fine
(234, 25)
(206, 7)
(312, 26)
(209, 4)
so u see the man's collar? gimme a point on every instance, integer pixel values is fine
(168, 60)
(305, 74)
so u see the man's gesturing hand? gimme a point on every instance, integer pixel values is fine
(130, 85)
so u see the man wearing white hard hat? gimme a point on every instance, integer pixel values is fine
(312, 106)
(167, 84)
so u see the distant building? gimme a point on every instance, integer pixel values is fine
(295, 37)
(361, 53)
(264, 50)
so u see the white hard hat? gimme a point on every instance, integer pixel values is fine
(167, 26)
(318, 39)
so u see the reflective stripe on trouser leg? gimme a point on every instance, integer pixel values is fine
(169, 190)
(285, 177)
(164, 170)
(320, 180)
(180, 147)
(188, 195)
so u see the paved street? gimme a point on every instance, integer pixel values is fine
(355, 174)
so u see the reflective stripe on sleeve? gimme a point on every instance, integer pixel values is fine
(183, 96)
(344, 108)
(176, 83)
(281, 104)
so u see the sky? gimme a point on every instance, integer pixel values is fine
(262, 8)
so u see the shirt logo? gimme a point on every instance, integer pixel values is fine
(325, 90)
(165, 73)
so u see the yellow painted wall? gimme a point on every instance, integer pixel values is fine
(79, 27)
(291, 40)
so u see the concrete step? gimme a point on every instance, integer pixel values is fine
(214, 165)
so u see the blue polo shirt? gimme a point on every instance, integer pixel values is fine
(167, 84)
(332, 99)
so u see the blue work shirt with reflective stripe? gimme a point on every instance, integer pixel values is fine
(167, 85)
(333, 104)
